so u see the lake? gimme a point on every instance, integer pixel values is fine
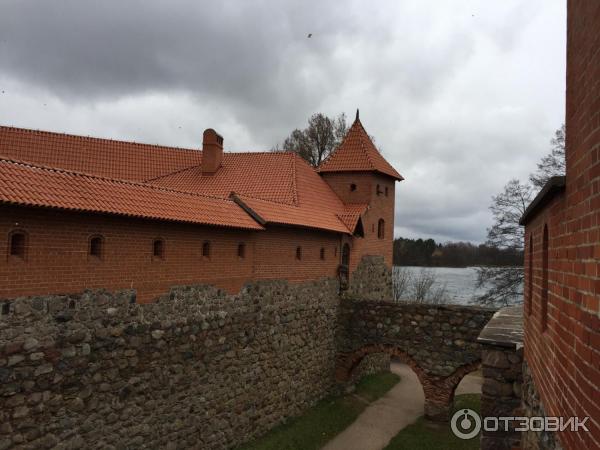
(460, 283)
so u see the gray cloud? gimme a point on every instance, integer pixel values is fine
(460, 95)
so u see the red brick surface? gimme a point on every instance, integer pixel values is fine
(565, 358)
(57, 260)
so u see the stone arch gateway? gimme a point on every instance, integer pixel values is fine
(438, 342)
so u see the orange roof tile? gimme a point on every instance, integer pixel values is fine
(103, 157)
(357, 153)
(351, 214)
(268, 176)
(316, 206)
(30, 185)
(280, 187)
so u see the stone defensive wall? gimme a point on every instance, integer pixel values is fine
(202, 369)
(197, 369)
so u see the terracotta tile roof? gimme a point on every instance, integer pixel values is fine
(30, 185)
(357, 153)
(103, 157)
(280, 187)
(268, 176)
(317, 206)
(351, 214)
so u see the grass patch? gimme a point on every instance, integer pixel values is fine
(374, 386)
(429, 436)
(326, 419)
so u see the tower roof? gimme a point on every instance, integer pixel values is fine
(357, 153)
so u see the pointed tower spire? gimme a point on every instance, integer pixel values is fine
(357, 153)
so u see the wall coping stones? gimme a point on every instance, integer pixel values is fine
(505, 329)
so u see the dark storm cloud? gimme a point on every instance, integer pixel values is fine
(461, 96)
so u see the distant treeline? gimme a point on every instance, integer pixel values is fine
(419, 252)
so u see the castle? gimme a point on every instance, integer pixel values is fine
(82, 213)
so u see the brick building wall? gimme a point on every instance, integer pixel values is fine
(562, 292)
(57, 256)
(381, 206)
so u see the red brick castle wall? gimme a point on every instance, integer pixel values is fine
(562, 265)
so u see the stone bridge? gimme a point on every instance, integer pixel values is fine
(438, 342)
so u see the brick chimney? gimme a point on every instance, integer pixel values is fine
(212, 151)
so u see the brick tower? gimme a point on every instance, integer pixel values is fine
(365, 182)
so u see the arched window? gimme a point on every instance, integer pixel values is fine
(322, 254)
(530, 277)
(352, 187)
(381, 229)
(206, 249)
(298, 253)
(544, 308)
(241, 250)
(96, 246)
(158, 248)
(17, 244)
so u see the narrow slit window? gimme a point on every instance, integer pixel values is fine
(530, 277)
(386, 191)
(298, 253)
(158, 248)
(241, 250)
(544, 308)
(322, 254)
(206, 249)
(17, 244)
(381, 229)
(96, 244)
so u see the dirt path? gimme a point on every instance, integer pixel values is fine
(384, 418)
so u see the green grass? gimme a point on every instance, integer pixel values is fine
(423, 435)
(326, 419)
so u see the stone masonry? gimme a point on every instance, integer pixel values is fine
(502, 362)
(202, 369)
(197, 369)
(372, 280)
(438, 342)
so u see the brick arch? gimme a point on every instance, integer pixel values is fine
(438, 390)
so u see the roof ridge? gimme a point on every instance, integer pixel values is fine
(164, 175)
(253, 197)
(295, 199)
(363, 144)
(79, 136)
(114, 180)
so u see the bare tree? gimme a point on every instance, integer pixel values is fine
(401, 280)
(422, 285)
(553, 163)
(418, 288)
(318, 139)
(505, 284)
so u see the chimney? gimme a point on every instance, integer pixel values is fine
(212, 151)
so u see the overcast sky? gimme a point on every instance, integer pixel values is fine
(461, 95)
